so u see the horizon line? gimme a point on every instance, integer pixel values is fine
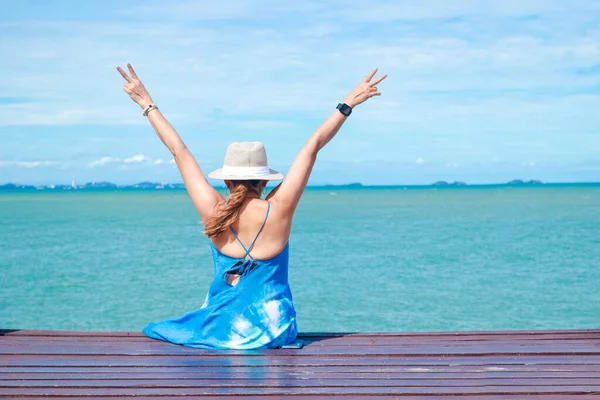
(530, 182)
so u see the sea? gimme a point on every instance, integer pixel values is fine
(387, 259)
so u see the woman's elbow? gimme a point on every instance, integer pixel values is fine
(178, 149)
(312, 148)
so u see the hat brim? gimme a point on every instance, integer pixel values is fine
(272, 176)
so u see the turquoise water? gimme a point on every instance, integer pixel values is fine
(382, 259)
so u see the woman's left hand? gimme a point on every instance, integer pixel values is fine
(134, 88)
(365, 90)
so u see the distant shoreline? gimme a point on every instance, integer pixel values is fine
(153, 186)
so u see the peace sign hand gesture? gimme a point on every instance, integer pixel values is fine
(134, 87)
(365, 90)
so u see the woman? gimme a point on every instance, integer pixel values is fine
(249, 302)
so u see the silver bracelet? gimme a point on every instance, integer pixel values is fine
(151, 106)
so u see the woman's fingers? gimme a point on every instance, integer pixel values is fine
(124, 75)
(382, 77)
(132, 72)
(371, 75)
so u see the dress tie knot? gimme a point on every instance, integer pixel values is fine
(241, 267)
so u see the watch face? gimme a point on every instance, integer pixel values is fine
(344, 109)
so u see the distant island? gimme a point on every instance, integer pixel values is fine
(515, 182)
(518, 182)
(444, 183)
(349, 185)
(109, 186)
(95, 186)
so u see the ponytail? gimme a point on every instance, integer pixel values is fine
(228, 212)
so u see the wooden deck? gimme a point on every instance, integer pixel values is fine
(537, 364)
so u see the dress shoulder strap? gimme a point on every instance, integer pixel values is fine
(247, 250)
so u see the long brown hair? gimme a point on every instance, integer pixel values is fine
(228, 212)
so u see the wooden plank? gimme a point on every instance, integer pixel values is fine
(536, 333)
(370, 369)
(268, 374)
(284, 391)
(287, 381)
(349, 339)
(332, 343)
(162, 349)
(291, 360)
(128, 343)
(362, 397)
(554, 344)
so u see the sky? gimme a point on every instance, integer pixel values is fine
(477, 91)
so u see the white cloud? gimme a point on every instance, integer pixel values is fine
(104, 161)
(135, 159)
(160, 161)
(28, 164)
(452, 165)
(419, 160)
(138, 158)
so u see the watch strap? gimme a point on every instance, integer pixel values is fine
(344, 109)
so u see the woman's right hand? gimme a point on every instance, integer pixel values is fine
(365, 90)
(134, 88)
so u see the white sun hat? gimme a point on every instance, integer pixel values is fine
(245, 161)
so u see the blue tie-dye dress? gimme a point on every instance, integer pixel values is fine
(256, 313)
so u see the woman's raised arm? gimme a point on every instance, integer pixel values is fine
(203, 195)
(288, 193)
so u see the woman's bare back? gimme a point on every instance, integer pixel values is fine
(270, 242)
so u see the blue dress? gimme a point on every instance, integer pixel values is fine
(255, 313)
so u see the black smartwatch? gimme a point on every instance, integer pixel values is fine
(344, 109)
